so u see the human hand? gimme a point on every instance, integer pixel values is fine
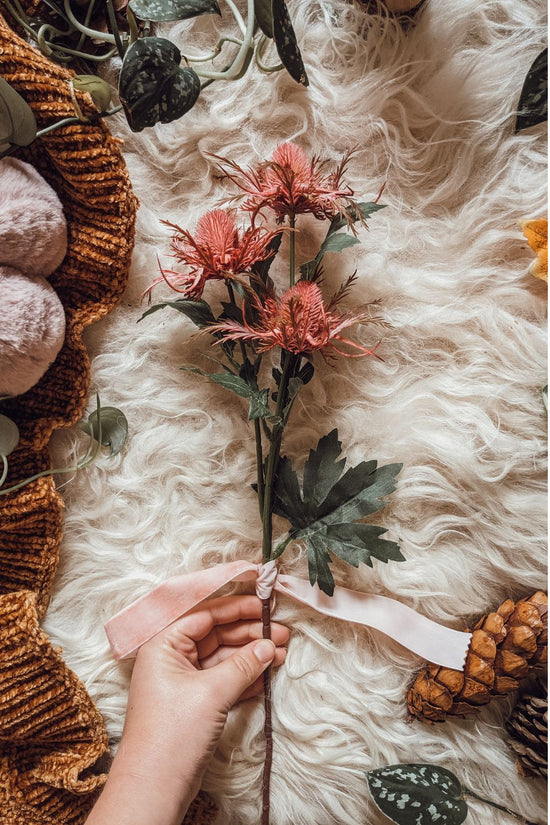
(185, 681)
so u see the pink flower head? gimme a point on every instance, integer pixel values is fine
(217, 251)
(290, 184)
(299, 322)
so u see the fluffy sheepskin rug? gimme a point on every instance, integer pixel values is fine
(457, 399)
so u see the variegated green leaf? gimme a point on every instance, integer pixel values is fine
(162, 10)
(418, 794)
(285, 41)
(533, 102)
(153, 88)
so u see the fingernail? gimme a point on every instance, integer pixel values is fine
(265, 650)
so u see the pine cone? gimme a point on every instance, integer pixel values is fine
(528, 727)
(505, 645)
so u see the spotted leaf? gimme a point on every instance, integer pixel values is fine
(153, 88)
(418, 794)
(161, 10)
(285, 41)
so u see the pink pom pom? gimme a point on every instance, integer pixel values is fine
(33, 229)
(32, 330)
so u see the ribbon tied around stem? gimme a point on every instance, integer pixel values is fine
(144, 618)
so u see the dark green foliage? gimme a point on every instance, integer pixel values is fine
(198, 312)
(285, 41)
(162, 10)
(533, 102)
(323, 513)
(418, 794)
(153, 88)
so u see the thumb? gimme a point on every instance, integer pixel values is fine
(237, 673)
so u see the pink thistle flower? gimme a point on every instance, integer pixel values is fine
(217, 251)
(290, 184)
(299, 322)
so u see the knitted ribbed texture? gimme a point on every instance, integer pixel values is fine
(51, 734)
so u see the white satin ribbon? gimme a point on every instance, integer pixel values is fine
(136, 624)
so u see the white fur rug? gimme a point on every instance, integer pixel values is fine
(457, 398)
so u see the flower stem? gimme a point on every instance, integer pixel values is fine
(468, 792)
(292, 251)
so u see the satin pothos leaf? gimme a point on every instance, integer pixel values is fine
(418, 794)
(533, 101)
(162, 10)
(285, 41)
(153, 87)
(264, 16)
(324, 512)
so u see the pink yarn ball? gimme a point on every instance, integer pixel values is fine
(32, 330)
(33, 229)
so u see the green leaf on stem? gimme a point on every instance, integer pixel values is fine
(336, 243)
(325, 511)
(162, 10)
(545, 397)
(114, 428)
(9, 435)
(533, 102)
(153, 88)
(259, 399)
(17, 121)
(264, 16)
(98, 88)
(198, 312)
(285, 41)
(418, 794)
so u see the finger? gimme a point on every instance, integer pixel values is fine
(229, 679)
(224, 610)
(223, 653)
(239, 634)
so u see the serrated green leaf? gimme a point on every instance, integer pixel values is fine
(198, 312)
(364, 210)
(306, 372)
(163, 10)
(357, 542)
(322, 470)
(17, 121)
(287, 498)
(418, 794)
(153, 88)
(98, 88)
(225, 379)
(285, 41)
(114, 428)
(264, 16)
(318, 565)
(533, 102)
(9, 435)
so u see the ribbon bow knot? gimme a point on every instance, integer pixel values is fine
(136, 624)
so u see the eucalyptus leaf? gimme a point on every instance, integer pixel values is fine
(114, 428)
(418, 794)
(98, 88)
(153, 88)
(9, 435)
(264, 16)
(533, 101)
(162, 10)
(198, 312)
(285, 41)
(17, 121)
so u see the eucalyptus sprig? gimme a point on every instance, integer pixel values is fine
(154, 86)
(106, 426)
